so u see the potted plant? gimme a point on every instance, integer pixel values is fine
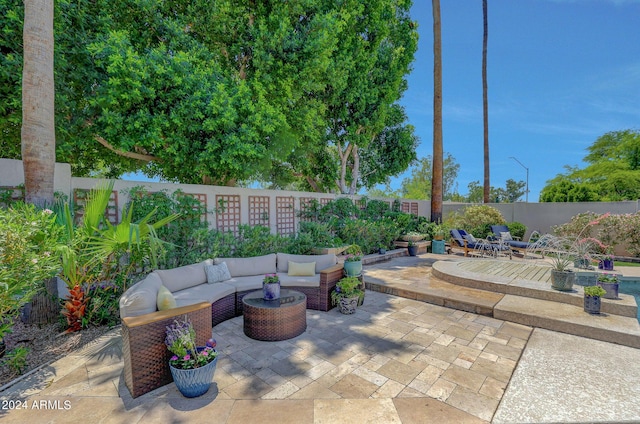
(382, 250)
(271, 287)
(347, 294)
(609, 282)
(439, 231)
(592, 295)
(192, 367)
(412, 248)
(413, 236)
(561, 252)
(606, 263)
(562, 277)
(353, 261)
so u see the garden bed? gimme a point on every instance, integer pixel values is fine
(46, 343)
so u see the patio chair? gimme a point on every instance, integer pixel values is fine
(461, 240)
(502, 233)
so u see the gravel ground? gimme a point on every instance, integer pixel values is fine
(46, 343)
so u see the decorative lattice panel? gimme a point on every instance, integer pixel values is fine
(202, 198)
(80, 199)
(228, 214)
(306, 204)
(325, 201)
(285, 215)
(361, 204)
(259, 210)
(409, 207)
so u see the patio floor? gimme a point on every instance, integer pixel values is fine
(396, 360)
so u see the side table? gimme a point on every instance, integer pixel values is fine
(274, 320)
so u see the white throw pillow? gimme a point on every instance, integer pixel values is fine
(505, 236)
(217, 273)
(165, 299)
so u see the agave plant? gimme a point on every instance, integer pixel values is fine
(97, 250)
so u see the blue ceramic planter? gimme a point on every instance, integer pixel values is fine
(611, 289)
(194, 382)
(606, 264)
(592, 304)
(271, 291)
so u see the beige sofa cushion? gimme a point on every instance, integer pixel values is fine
(251, 282)
(322, 261)
(183, 277)
(141, 298)
(257, 265)
(291, 281)
(203, 293)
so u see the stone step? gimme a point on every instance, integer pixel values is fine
(452, 272)
(513, 299)
(571, 319)
(440, 293)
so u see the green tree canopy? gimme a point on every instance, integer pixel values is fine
(221, 92)
(418, 185)
(612, 173)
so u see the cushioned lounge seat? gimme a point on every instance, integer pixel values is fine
(502, 232)
(460, 239)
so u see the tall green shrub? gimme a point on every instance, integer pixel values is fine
(184, 239)
(28, 244)
(476, 219)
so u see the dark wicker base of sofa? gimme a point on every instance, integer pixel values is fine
(146, 357)
(223, 309)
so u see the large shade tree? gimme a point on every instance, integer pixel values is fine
(38, 127)
(436, 181)
(376, 46)
(214, 92)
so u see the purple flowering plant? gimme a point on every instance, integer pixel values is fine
(181, 342)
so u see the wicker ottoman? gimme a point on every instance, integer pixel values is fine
(273, 320)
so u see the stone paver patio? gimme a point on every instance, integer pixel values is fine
(395, 360)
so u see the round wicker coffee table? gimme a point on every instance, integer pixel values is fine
(274, 320)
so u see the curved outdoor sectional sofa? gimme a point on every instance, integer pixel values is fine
(208, 299)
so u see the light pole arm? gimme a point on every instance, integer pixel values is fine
(527, 169)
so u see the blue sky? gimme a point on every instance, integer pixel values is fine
(560, 74)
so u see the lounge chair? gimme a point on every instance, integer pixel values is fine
(461, 240)
(502, 233)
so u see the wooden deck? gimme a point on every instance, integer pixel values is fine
(525, 270)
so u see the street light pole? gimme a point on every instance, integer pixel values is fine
(527, 191)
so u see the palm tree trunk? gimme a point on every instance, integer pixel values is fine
(38, 123)
(485, 103)
(436, 181)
